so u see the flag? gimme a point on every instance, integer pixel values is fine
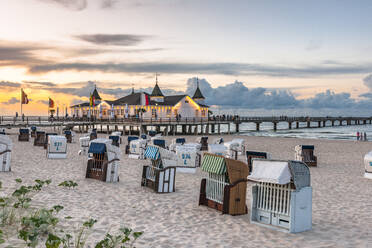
(51, 103)
(24, 97)
(91, 101)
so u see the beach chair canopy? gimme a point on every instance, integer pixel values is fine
(270, 171)
(116, 133)
(236, 170)
(114, 138)
(33, 128)
(281, 172)
(152, 152)
(113, 152)
(143, 136)
(24, 131)
(40, 132)
(97, 148)
(180, 141)
(152, 133)
(307, 147)
(130, 138)
(214, 164)
(217, 149)
(158, 142)
(68, 132)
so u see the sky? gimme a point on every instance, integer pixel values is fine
(251, 54)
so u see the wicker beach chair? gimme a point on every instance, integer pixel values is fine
(137, 149)
(305, 153)
(39, 140)
(68, 135)
(6, 146)
(203, 142)
(33, 131)
(282, 195)
(157, 176)
(115, 140)
(103, 162)
(47, 139)
(224, 187)
(250, 155)
(24, 134)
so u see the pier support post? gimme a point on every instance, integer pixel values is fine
(207, 129)
(324, 123)
(237, 127)
(108, 129)
(308, 124)
(319, 124)
(289, 125)
(166, 130)
(219, 128)
(340, 121)
(275, 126)
(228, 128)
(364, 122)
(196, 130)
(213, 128)
(297, 124)
(116, 128)
(333, 123)
(257, 126)
(174, 129)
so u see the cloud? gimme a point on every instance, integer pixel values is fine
(20, 53)
(7, 84)
(112, 39)
(107, 4)
(314, 45)
(207, 68)
(330, 99)
(76, 5)
(11, 101)
(368, 81)
(44, 102)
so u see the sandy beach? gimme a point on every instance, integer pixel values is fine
(342, 199)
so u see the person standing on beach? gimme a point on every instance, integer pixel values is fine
(357, 135)
(365, 136)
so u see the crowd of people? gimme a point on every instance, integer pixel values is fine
(361, 136)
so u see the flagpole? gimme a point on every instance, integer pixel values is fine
(21, 101)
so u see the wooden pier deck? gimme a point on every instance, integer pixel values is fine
(173, 126)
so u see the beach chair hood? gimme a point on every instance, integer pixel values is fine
(101, 145)
(270, 172)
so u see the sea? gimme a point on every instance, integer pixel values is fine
(266, 129)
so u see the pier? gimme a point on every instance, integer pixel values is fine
(176, 126)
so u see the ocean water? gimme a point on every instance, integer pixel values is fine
(266, 129)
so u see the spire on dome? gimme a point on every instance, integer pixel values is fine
(95, 94)
(198, 95)
(156, 92)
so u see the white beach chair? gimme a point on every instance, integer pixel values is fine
(368, 165)
(57, 147)
(282, 195)
(104, 160)
(188, 158)
(84, 145)
(137, 149)
(6, 146)
(217, 149)
(218, 141)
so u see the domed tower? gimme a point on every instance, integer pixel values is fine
(156, 94)
(198, 96)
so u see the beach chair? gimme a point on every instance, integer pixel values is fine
(237, 144)
(305, 153)
(33, 131)
(152, 133)
(282, 196)
(39, 140)
(188, 158)
(93, 135)
(203, 142)
(156, 176)
(68, 135)
(224, 187)
(6, 147)
(137, 149)
(103, 161)
(252, 154)
(129, 139)
(47, 139)
(24, 134)
(217, 149)
(57, 147)
(368, 165)
(115, 140)
(2, 131)
(218, 141)
(158, 141)
(231, 150)
(84, 145)
(176, 142)
(117, 133)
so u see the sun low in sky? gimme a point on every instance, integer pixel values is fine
(250, 54)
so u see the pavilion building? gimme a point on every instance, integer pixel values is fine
(154, 105)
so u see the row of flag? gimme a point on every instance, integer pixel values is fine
(25, 100)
